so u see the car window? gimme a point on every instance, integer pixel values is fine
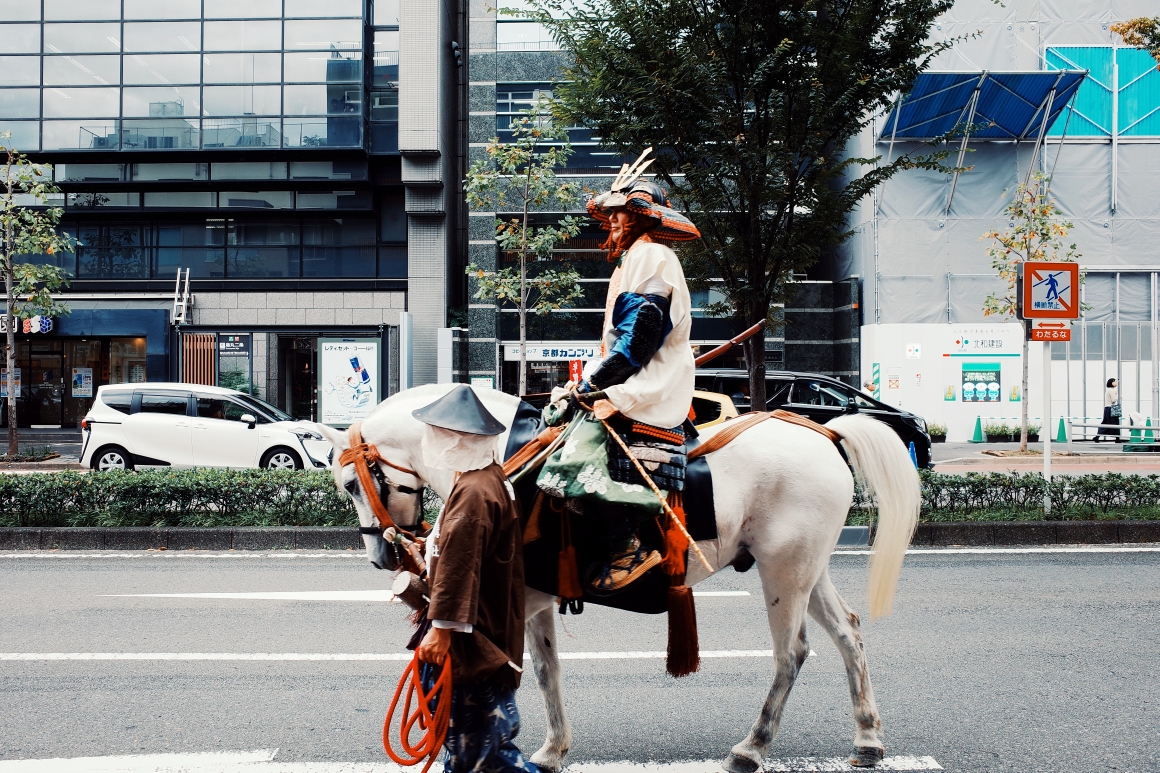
(705, 411)
(807, 392)
(777, 393)
(118, 401)
(176, 404)
(212, 407)
(862, 401)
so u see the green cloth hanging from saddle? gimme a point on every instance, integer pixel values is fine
(579, 470)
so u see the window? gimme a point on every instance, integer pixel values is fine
(82, 70)
(80, 38)
(25, 134)
(386, 13)
(209, 407)
(257, 199)
(328, 170)
(81, 10)
(163, 36)
(93, 134)
(324, 67)
(162, 68)
(111, 251)
(338, 247)
(242, 100)
(242, 9)
(81, 103)
(170, 171)
(324, 35)
(166, 102)
(20, 103)
(162, 9)
(386, 58)
(523, 36)
(329, 8)
(174, 404)
(19, 10)
(264, 170)
(21, 39)
(196, 246)
(118, 401)
(90, 172)
(19, 71)
(242, 68)
(819, 393)
(243, 35)
(323, 100)
(262, 248)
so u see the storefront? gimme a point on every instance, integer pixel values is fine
(59, 371)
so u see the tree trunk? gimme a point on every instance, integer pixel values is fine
(10, 354)
(755, 352)
(1023, 390)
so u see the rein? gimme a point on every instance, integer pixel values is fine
(365, 457)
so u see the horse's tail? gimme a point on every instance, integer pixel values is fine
(884, 466)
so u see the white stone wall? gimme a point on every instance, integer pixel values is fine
(296, 309)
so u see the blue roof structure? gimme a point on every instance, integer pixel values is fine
(1008, 106)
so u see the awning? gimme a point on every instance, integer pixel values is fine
(997, 105)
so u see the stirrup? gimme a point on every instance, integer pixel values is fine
(623, 569)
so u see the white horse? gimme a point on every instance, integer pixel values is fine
(781, 492)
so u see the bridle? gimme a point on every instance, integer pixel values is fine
(365, 458)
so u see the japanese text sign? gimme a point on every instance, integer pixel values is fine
(1048, 290)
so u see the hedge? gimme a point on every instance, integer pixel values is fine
(202, 497)
(210, 497)
(1013, 496)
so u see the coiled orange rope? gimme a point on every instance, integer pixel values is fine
(432, 714)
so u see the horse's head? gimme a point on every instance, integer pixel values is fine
(382, 482)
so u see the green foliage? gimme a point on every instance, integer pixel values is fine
(996, 428)
(239, 380)
(202, 497)
(520, 176)
(936, 430)
(750, 105)
(1014, 496)
(1142, 33)
(1037, 234)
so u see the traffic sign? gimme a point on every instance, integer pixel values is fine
(1048, 291)
(1047, 330)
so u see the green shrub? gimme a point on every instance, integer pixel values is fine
(202, 497)
(996, 428)
(936, 430)
(997, 496)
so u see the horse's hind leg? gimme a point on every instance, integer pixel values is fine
(840, 621)
(540, 636)
(787, 624)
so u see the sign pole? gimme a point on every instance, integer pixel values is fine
(1045, 432)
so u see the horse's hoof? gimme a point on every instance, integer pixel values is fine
(867, 756)
(548, 760)
(736, 763)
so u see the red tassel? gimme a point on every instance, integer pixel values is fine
(676, 546)
(684, 655)
(568, 573)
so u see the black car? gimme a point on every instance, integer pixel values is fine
(820, 398)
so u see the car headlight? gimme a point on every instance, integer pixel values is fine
(306, 434)
(920, 423)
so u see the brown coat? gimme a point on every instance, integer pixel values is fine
(477, 577)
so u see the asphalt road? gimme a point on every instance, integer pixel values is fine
(991, 662)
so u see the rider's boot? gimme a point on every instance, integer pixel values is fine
(624, 566)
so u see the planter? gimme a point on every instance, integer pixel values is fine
(999, 438)
(938, 438)
(1031, 437)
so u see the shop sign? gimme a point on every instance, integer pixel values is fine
(349, 379)
(4, 382)
(483, 382)
(575, 370)
(986, 340)
(33, 324)
(982, 382)
(82, 382)
(553, 351)
(234, 344)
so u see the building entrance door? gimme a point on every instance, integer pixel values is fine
(46, 384)
(297, 385)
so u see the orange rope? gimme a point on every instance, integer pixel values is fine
(432, 714)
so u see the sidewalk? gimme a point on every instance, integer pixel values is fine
(1087, 458)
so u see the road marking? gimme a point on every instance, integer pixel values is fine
(971, 551)
(388, 656)
(262, 761)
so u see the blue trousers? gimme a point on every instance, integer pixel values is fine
(484, 724)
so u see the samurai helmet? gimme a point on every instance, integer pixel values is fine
(644, 197)
(460, 410)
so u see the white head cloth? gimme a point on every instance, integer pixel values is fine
(444, 449)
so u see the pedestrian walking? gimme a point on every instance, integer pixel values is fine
(1112, 411)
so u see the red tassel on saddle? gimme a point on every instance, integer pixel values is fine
(684, 652)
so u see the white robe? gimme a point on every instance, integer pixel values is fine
(661, 393)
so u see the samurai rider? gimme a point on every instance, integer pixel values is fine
(647, 370)
(476, 580)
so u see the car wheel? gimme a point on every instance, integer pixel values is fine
(281, 459)
(112, 458)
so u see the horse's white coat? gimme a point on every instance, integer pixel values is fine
(782, 493)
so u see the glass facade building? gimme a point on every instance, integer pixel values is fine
(252, 146)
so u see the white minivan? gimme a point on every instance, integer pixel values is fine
(190, 425)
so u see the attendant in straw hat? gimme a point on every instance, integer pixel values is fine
(647, 369)
(476, 577)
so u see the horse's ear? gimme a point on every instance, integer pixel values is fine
(337, 437)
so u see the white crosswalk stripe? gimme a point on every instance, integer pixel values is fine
(262, 761)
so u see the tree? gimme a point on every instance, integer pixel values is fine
(520, 175)
(1141, 33)
(750, 105)
(25, 231)
(1037, 234)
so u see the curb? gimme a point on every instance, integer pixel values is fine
(971, 534)
(148, 538)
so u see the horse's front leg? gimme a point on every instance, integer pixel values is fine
(540, 635)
